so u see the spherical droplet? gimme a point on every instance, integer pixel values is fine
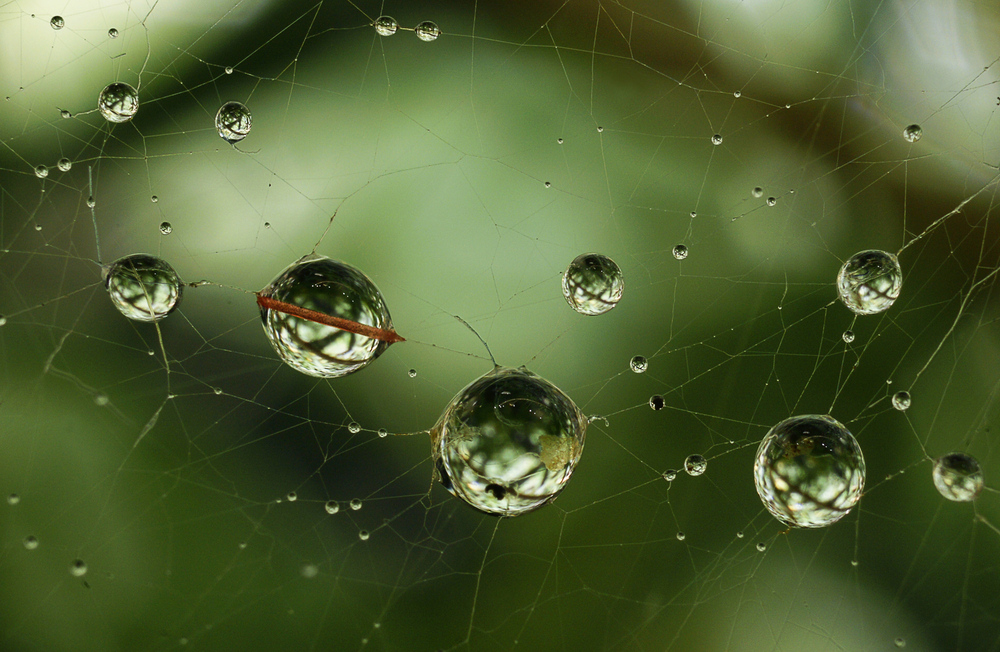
(901, 401)
(229, 70)
(548, 184)
(656, 402)
(638, 364)
(559, 140)
(64, 165)
(900, 642)
(355, 504)
(670, 475)
(143, 287)
(332, 288)
(57, 22)
(101, 399)
(739, 535)
(771, 201)
(757, 192)
(695, 464)
(41, 171)
(869, 282)
(386, 25)
(332, 507)
(354, 427)
(292, 496)
(412, 373)
(912, 133)
(737, 94)
(427, 31)
(809, 471)
(508, 443)
(958, 477)
(680, 252)
(681, 536)
(166, 228)
(848, 336)
(217, 391)
(13, 499)
(91, 202)
(363, 535)
(65, 114)
(382, 432)
(30, 542)
(309, 571)
(600, 129)
(717, 139)
(761, 547)
(593, 284)
(154, 199)
(3, 320)
(112, 33)
(118, 102)
(78, 568)
(233, 122)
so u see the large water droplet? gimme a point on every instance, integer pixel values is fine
(233, 122)
(143, 287)
(901, 401)
(386, 25)
(593, 284)
(118, 102)
(57, 22)
(695, 465)
(912, 133)
(869, 282)
(427, 31)
(958, 477)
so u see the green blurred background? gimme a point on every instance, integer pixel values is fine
(434, 159)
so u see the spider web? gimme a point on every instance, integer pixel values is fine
(194, 473)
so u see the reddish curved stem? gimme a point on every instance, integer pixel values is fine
(389, 336)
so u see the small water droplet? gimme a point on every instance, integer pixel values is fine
(717, 139)
(78, 568)
(548, 184)
(382, 432)
(154, 199)
(112, 33)
(681, 536)
(363, 535)
(412, 373)
(639, 364)
(848, 336)
(166, 228)
(656, 402)
(354, 427)
(292, 496)
(64, 164)
(30, 542)
(559, 140)
(41, 171)
(912, 133)
(737, 94)
(680, 252)
(427, 31)
(57, 22)
(600, 129)
(13, 499)
(332, 507)
(757, 192)
(761, 547)
(356, 504)
(65, 114)
(100, 399)
(771, 201)
(901, 401)
(229, 70)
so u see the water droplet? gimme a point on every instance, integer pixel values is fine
(166, 228)
(869, 282)
(356, 504)
(3, 320)
(41, 171)
(217, 391)
(143, 287)
(681, 536)
(757, 192)
(382, 432)
(912, 133)
(38, 227)
(363, 535)
(78, 568)
(332, 507)
(229, 70)
(64, 164)
(354, 427)
(737, 94)
(739, 535)
(670, 475)
(101, 399)
(412, 373)
(854, 562)
(695, 464)
(638, 364)
(508, 442)
(267, 225)
(332, 288)
(118, 102)
(656, 402)
(154, 199)
(809, 471)
(593, 284)
(771, 201)
(600, 129)
(57, 22)
(680, 252)
(900, 642)
(112, 33)
(901, 401)
(788, 106)
(548, 184)
(13, 499)
(91, 202)
(717, 139)
(386, 25)
(427, 31)
(65, 114)
(848, 336)
(958, 477)
(559, 140)
(761, 547)
(694, 214)
(309, 571)
(30, 542)
(233, 122)
(292, 496)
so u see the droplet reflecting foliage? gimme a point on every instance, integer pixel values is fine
(386, 25)
(57, 22)
(143, 287)
(757, 192)
(427, 31)
(717, 139)
(912, 133)
(112, 33)
(656, 402)
(118, 102)
(64, 165)
(508, 443)
(695, 465)
(901, 401)
(41, 171)
(593, 284)
(639, 364)
(78, 568)
(166, 228)
(809, 471)
(848, 336)
(332, 288)
(680, 252)
(958, 477)
(233, 122)
(869, 282)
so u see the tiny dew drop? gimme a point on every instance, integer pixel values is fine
(695, 465)
(90, 202)
(848, 336)
(739, 535)
(680, 252)
(912, 133)
(670, 475)
(356, 504)
(64, 164)
(694, 214)
(681, 536)
(901, 401)
(737, 94)
(639, 364)
(757, 192)
(57, 22)
(30, 542)
(559, 140)
(309, 571)
(13, 499)
(363, 535)
(600, 129)
(78, 568)
(112, 33)
(548, 184)
(382, 432)
(292, 496)
(771, 201)
(761, 547)
(41, 171)
(65, 114)
(100, 399)
(354, 427)
(217, 391)
(3, 320)
(717, 139)
(331, 507)
(900, 642)
(166, 228)
(154, 199)
(656, 402)
(229, 70)
(412, 373)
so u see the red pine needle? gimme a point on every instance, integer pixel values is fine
(389, 336)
